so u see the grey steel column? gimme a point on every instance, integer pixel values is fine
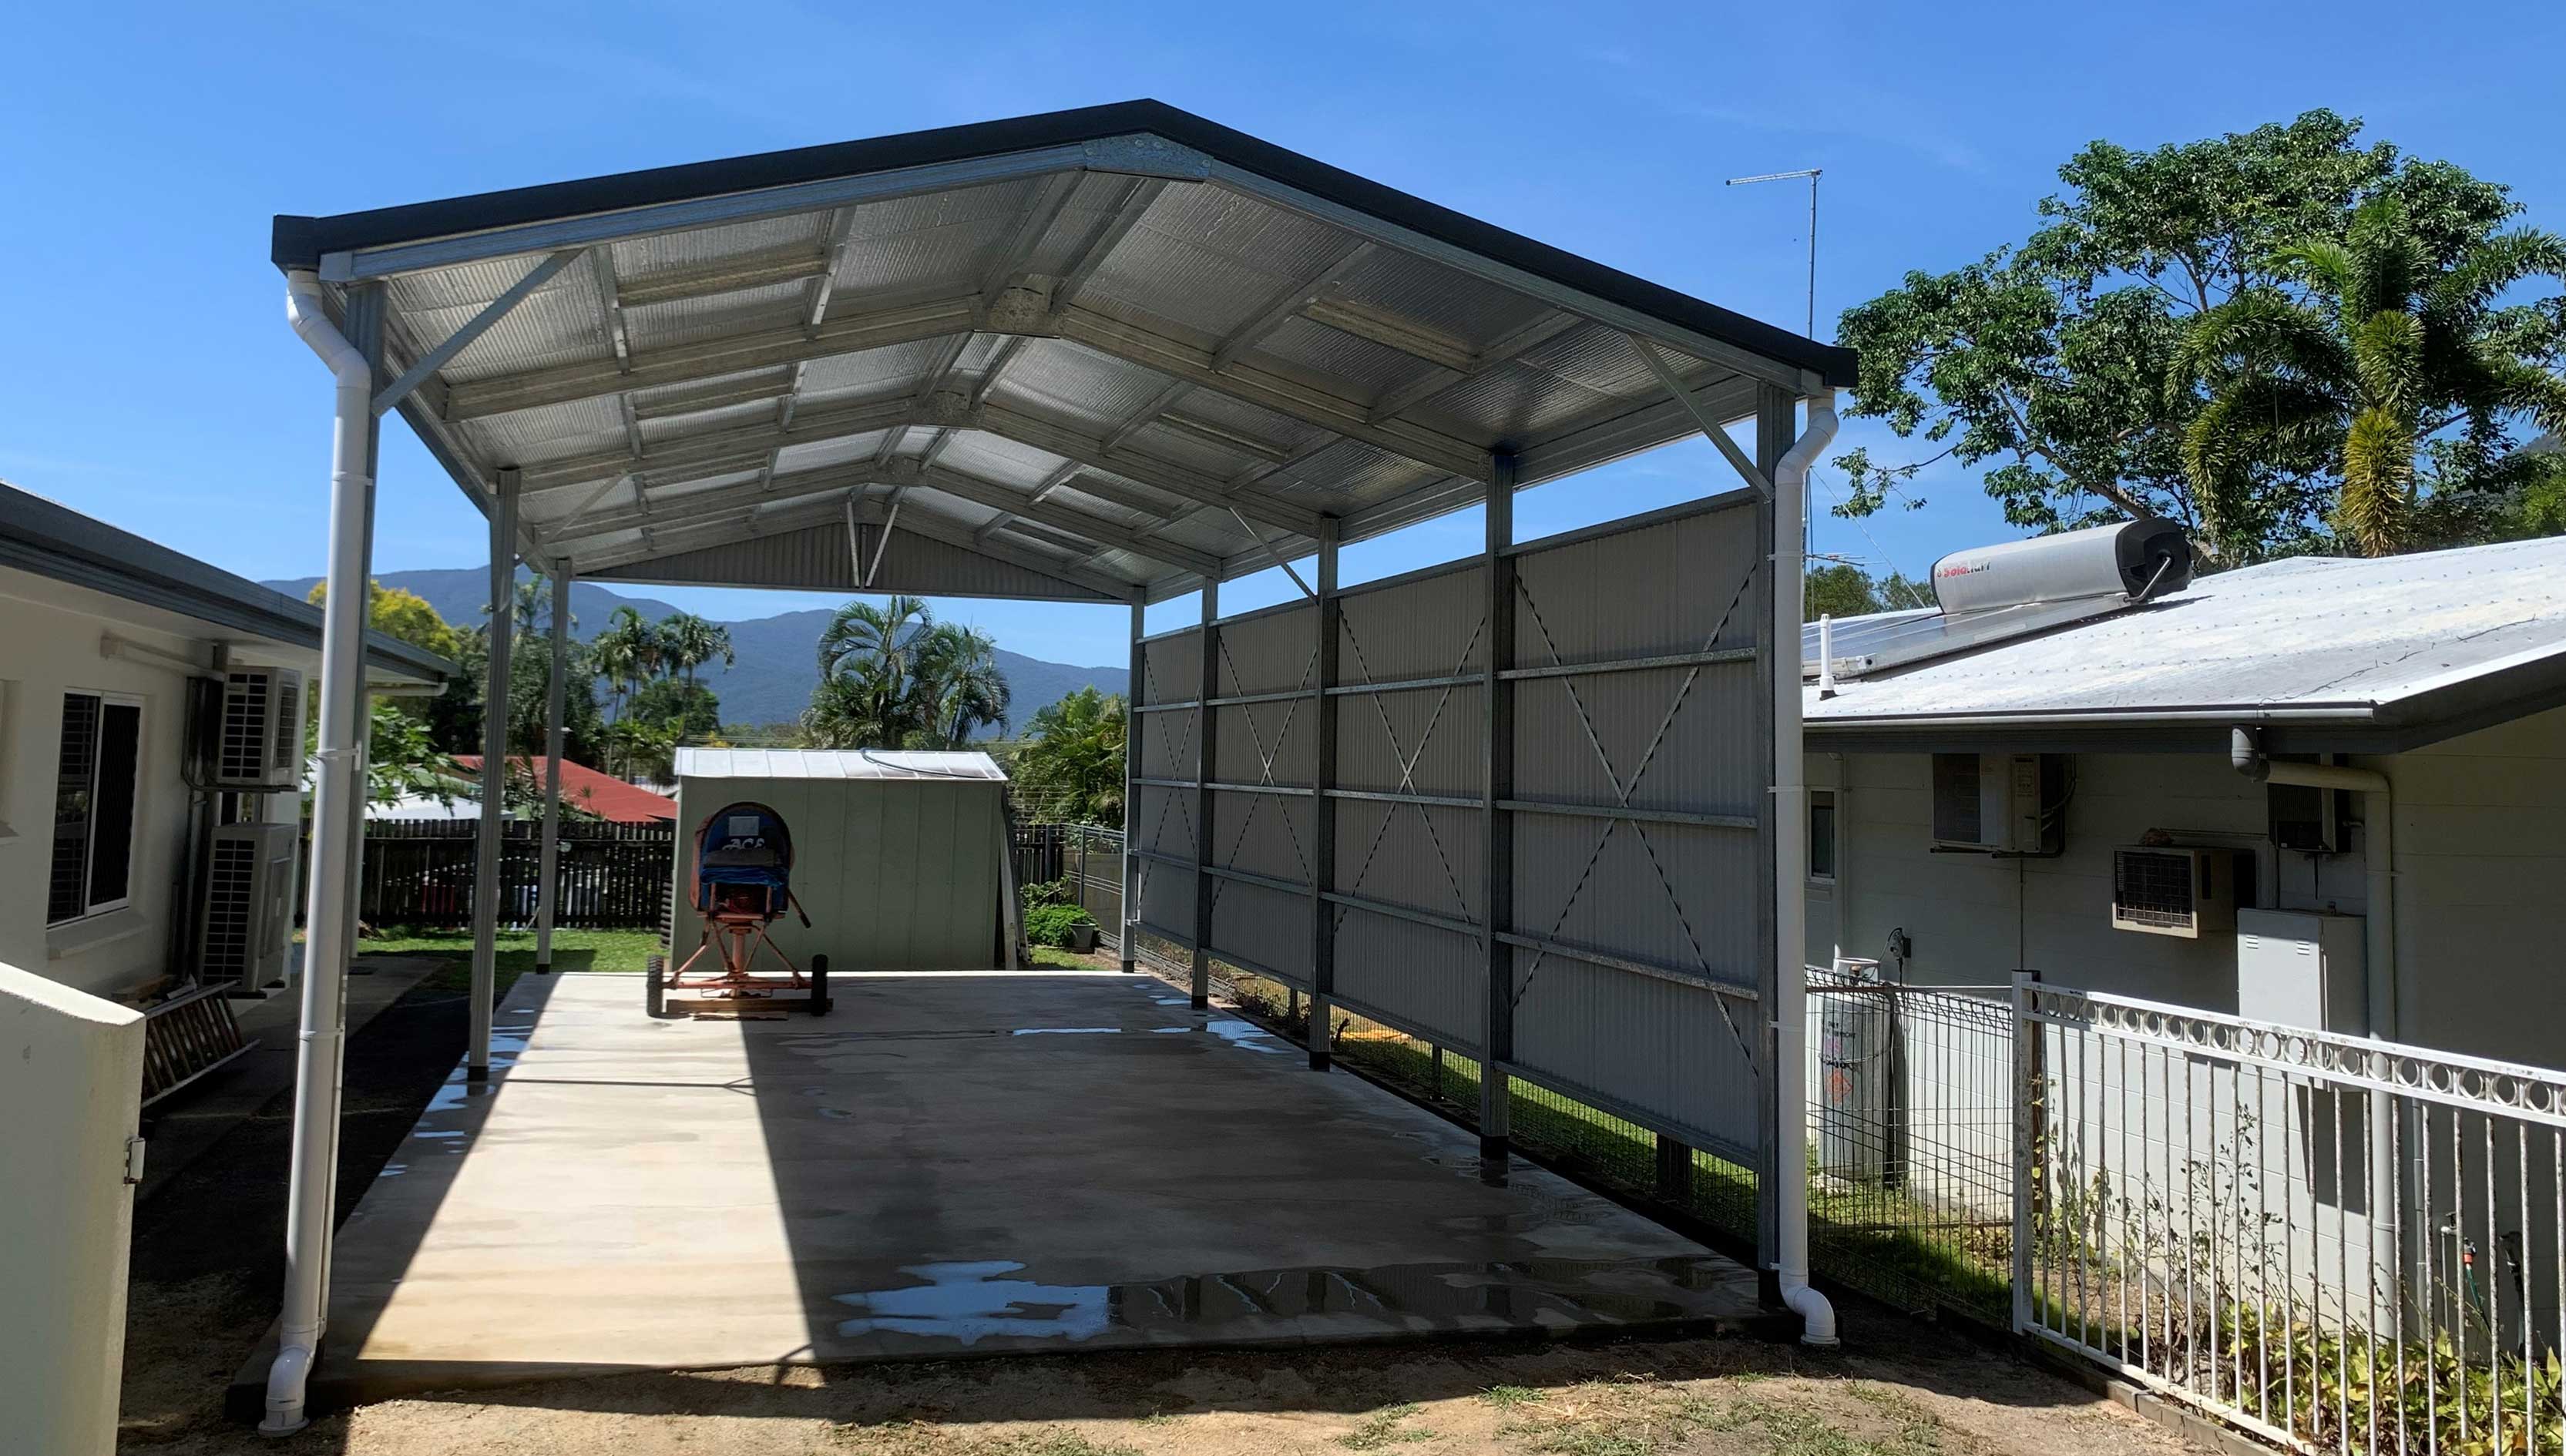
(489, 846)
(1496, 826)
(556, 702)
(1131, 798)
(1322, 808)
(1206, 759)
(1776, 425)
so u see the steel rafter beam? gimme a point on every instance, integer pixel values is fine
(1702, 419)
(679, 363)
(1433, 381)
(1267, 391)
(1095, 530)
(1069, 470)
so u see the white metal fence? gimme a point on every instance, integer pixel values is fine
(2335, 1242)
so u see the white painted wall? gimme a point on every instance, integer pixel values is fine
(2480, 861)
(71, 1072)
(47, 650)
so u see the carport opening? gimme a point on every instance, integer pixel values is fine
(1532, 804)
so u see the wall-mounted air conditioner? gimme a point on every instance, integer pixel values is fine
(2174, 892)
(258, 730)
(248, 915)
(1999, 803)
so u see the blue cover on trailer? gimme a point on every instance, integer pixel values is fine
(747, 845)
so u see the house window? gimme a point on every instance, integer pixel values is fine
(1822, 833)
(93, 795)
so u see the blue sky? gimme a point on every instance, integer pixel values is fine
(148, 377)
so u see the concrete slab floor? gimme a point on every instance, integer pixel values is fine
(950, 1163)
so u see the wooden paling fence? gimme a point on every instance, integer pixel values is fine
(610, 875)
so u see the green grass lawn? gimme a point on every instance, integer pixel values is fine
(573, 950)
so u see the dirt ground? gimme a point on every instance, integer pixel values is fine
(1898, 1389)
(206, 1272)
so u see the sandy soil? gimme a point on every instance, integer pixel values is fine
(1897, 1390)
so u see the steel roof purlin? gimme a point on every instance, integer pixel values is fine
(1119, 350)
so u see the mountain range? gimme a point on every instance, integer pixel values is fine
(776, 669)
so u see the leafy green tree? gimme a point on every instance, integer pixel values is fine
(673, 703)
(627, 654)
(2051, 365)
(687, 641)
(2372, 347)
(401, 614)
(1844, 590)
(1071, 766)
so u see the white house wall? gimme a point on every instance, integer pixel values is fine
(2482, 891)
(46, 653)
(2480, 855)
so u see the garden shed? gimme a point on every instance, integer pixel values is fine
(900, 859)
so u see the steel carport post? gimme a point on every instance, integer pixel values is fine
(1324, 615)
(1206, 756)
(1130, 947)
(556, 702)
(337, 802)
(1496, 824)
(489, 845)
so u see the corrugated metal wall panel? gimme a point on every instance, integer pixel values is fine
(1172, 666)
(1428, 628)
(1262, 833)
(1167, 897)
(1668, 736)
(1262, 928)
(1430, 979)
(1268, 743)
(1667, 894)
(1168, 744)
(1162, 823)
(1428, 740)
(1420, 856)
(1660, 1050)
(1271, 651)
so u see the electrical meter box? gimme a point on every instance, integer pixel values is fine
(2298, 968)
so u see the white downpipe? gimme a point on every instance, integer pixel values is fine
(1791, 881)
(334, 805)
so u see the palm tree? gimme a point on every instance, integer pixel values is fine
(887, 636)
(2380, 349)
(861, 707)
(627, 655)
(689, 641)
(958, 685)
(1072, 765)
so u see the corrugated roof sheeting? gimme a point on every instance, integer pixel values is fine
(1288, 324)
(2362, 635)
(894, 765)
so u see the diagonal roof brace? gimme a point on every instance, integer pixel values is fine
(479, 324)
(1710, 428)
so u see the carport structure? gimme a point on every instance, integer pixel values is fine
(1531, 804)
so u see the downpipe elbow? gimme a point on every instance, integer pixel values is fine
(287, 1378)
(1817, 1314)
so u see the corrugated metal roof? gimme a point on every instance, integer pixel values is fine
(1124, 303)
(833, 763)
(2309, 637)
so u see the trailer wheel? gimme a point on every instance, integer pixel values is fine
(818, 985)
(654, 994)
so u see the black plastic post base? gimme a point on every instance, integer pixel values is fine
(1320, 1059)
(1493, 1148)
(476, 1073)
(543, 968)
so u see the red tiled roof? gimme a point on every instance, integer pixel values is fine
(587, 789)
